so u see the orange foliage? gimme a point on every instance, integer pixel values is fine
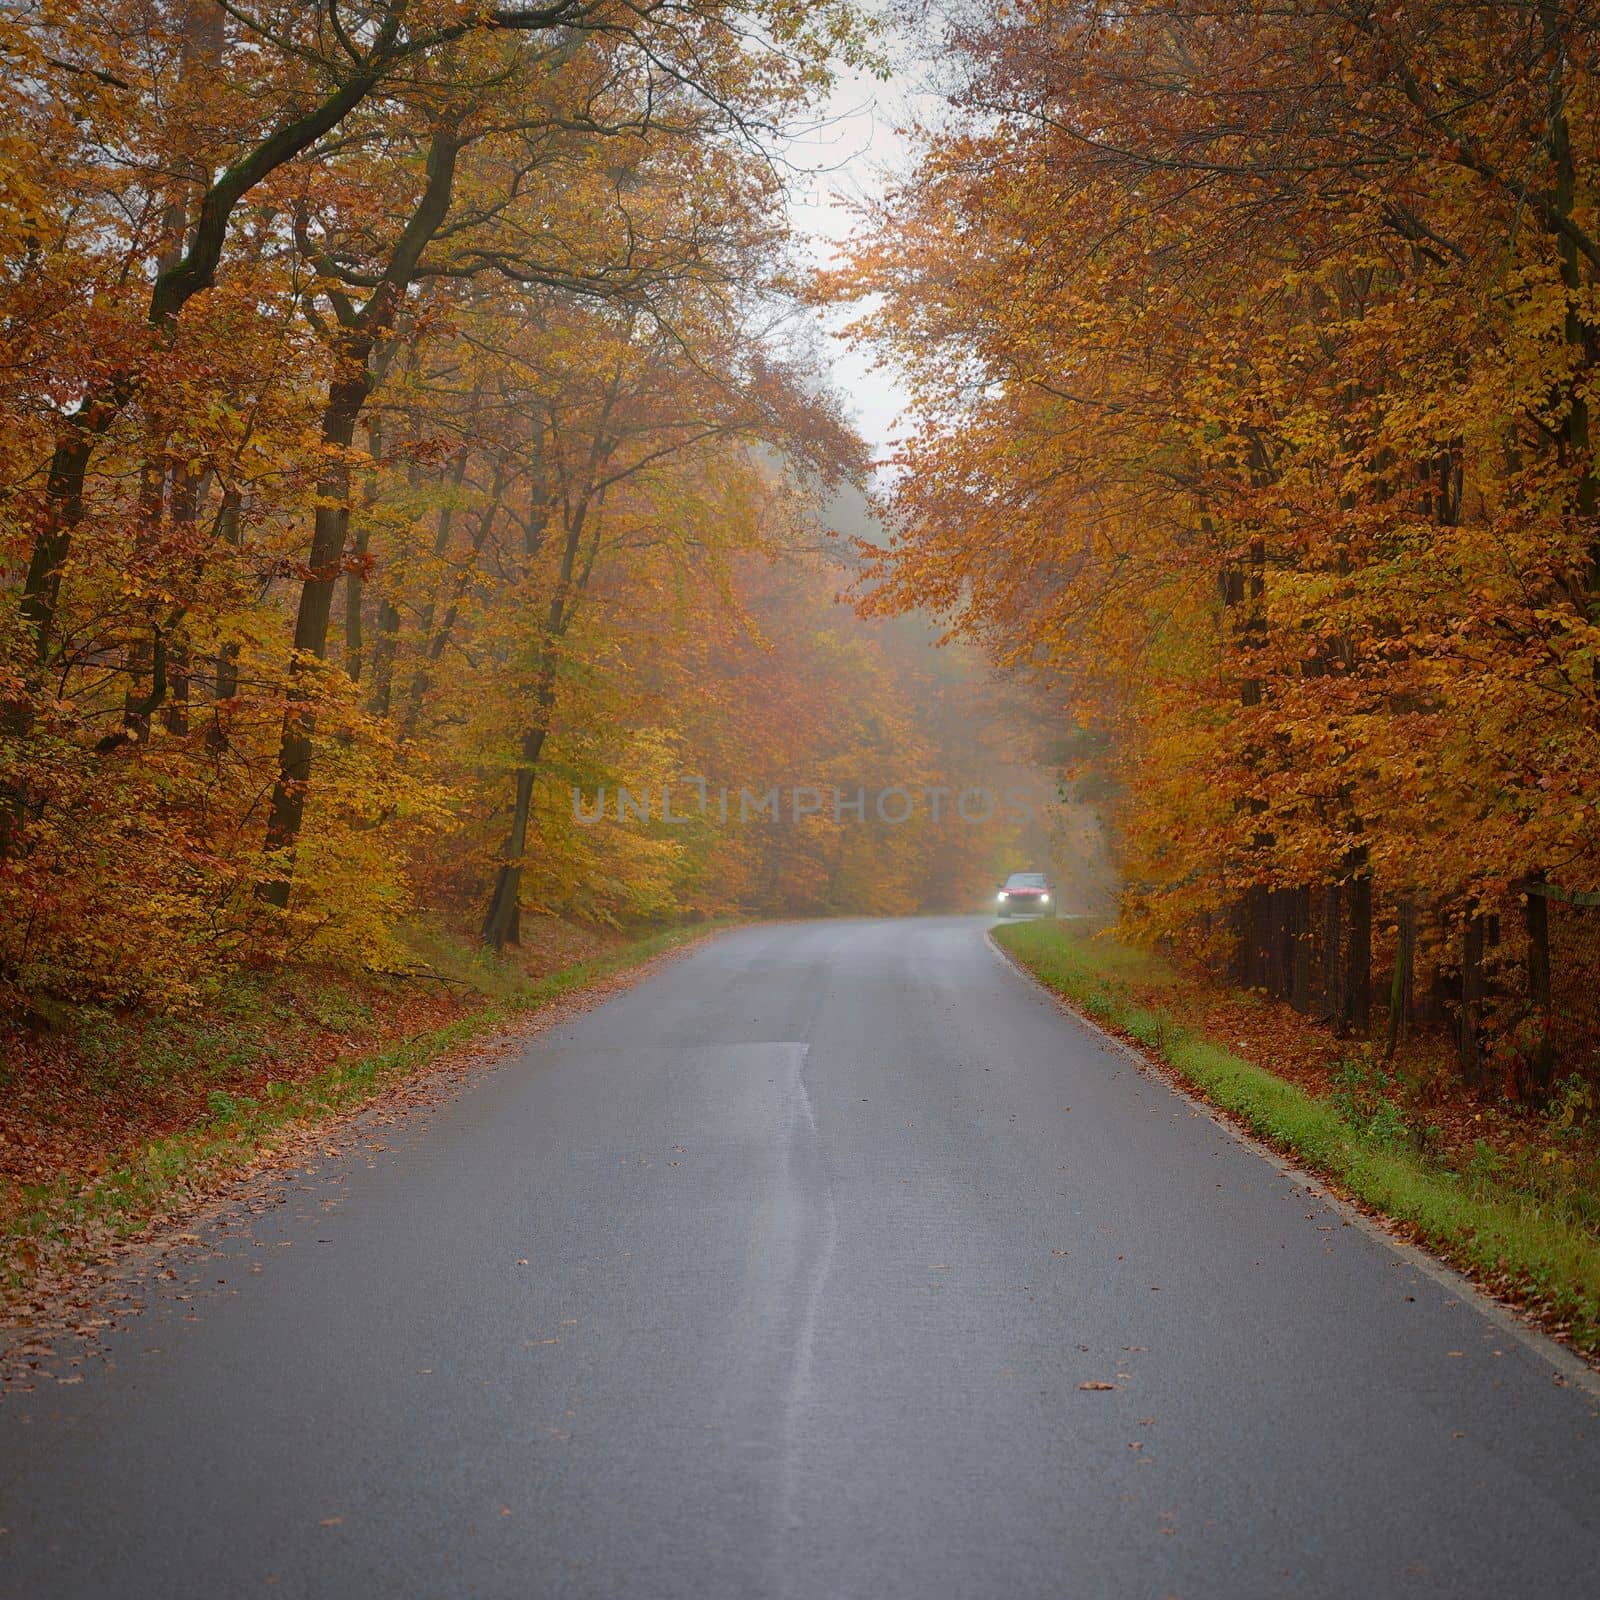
(1255, 350)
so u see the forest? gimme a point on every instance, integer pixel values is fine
(411, 422)
(799, 798)
(1253, 352)
(425, 482)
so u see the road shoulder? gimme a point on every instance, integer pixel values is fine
(1402, 1237)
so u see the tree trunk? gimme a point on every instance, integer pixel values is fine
(1332, 1008)
(1577, 334)
(1278, 937)
(435, 636)
(63, 511)
(175, 715)
(1258, 923)
(381, 700)
(192, 273)
(226, 683)
(346, 397)
(502, 924)
(1357, 1009)
(1241, 588)
(1300, 949)
(383, 649)
(1402, 986)
(1538, 925)
(353, 643)
(1470, 1043)
(355, 578)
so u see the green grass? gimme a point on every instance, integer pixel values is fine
(1480, 1220)
(66, 1220)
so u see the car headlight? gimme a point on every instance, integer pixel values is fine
(1044, 899)
(1001, 895)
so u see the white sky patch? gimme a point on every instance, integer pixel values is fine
(837, 165)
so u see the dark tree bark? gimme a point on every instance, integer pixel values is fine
(1402, 987)
(436, 633)
(1537, 914)
(225, 685)
(347, 395)
(287, 810)
(1300, 949)
(1332, 1008)
(502, 923)
(386, 48)
(1357, 1008)
(1278, 941)
(193, 272)
(1471, 1041)
(383, 649)
(354, 643)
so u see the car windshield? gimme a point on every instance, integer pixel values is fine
(1025, 880)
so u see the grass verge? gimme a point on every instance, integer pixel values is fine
(50, 1227)
(1513, 1242)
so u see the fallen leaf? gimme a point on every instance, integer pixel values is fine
(1095, 1383)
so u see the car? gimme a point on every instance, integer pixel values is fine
(1026, 894)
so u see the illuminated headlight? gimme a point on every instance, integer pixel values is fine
(1044, 899)
(1001, 895)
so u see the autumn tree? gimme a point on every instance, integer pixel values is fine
(308, 298)
(1254, 353)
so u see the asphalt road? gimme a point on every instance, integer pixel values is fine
(779, 1275)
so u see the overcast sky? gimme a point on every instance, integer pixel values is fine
(845, 161)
